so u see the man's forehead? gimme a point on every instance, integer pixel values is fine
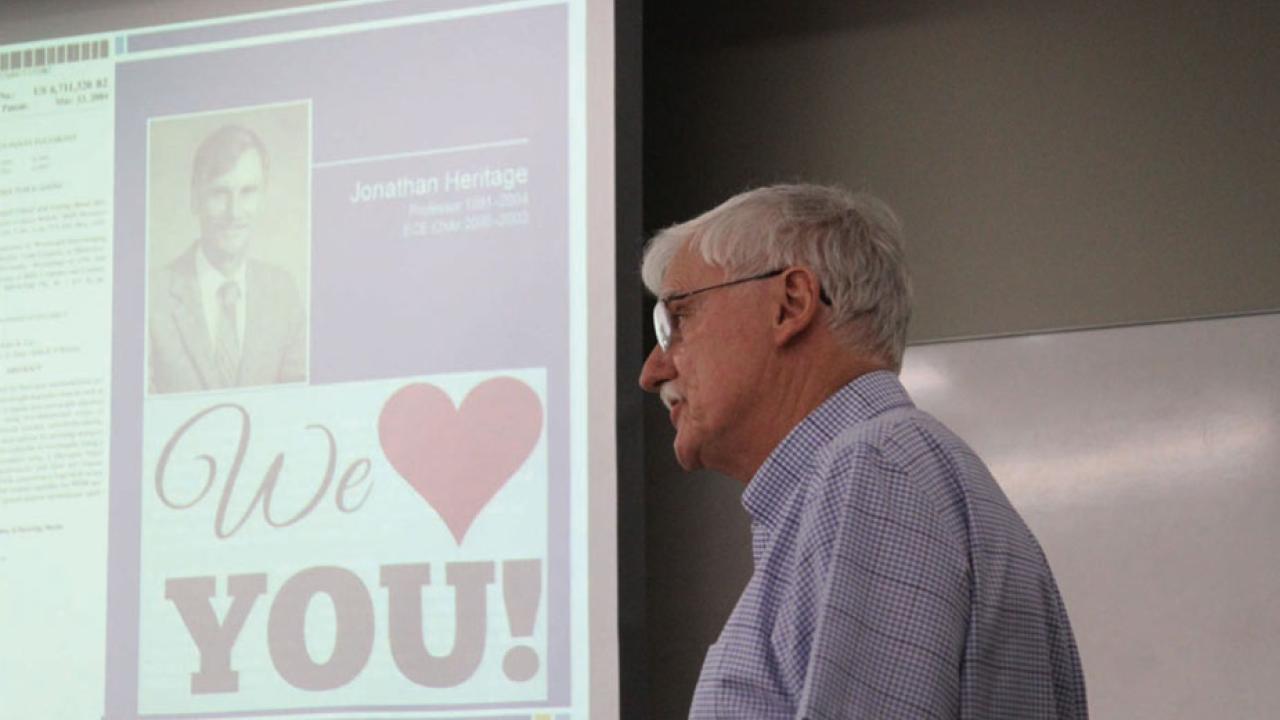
(250, 160)
(688, 271)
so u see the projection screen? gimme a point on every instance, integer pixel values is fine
(306, 360)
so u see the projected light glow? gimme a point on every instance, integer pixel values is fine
(293, 372)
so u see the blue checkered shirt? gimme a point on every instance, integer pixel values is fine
(892, 579)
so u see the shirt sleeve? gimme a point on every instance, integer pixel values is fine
(893, 603)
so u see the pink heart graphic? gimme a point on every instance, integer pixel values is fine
(457, 460)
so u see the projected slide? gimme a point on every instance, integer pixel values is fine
(291, 357)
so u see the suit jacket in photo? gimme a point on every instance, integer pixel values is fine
(181, 357)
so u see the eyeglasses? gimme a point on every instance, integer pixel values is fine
(665, 328)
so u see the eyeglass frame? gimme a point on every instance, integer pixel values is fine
(662, 315)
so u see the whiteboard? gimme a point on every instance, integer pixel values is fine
(1146, 459)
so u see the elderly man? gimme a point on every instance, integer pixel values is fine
(218, 318)
(892, 577)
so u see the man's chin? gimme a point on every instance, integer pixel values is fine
(234, 247)
(686, 456)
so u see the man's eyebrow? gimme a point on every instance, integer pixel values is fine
(678, 304)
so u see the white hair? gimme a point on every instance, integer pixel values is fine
(852, 242)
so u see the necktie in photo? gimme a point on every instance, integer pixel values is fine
(226, 342)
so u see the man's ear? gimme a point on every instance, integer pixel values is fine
(797, 304)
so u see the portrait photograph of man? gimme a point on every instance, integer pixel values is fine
(228, 249)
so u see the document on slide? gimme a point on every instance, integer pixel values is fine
(287, 325)
(55, 371)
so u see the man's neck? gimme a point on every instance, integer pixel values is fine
(228, 265)
(800, 387)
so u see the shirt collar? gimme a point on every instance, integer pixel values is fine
(791, 462)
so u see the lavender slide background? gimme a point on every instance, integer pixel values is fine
(383, 306)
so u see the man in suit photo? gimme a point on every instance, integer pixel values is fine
(220, 318)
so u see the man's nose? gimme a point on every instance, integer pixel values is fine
(657, 370)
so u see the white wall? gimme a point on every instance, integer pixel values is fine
(1147, 461)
